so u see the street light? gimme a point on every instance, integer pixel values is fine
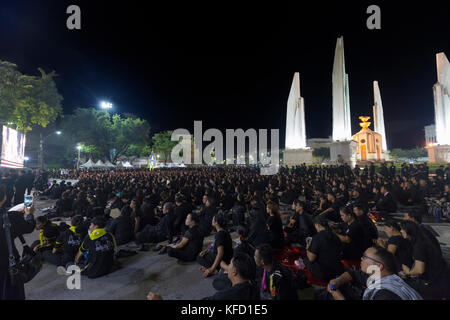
(26, 158)
(78, 160)
(41, 147)
(106, 105)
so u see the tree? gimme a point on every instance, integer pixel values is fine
(97, 128)
(28, 100)
(163, 144)
(412, 154)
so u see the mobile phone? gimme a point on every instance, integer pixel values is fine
(28, 201)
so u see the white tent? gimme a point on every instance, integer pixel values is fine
(119, 164)
(127, 165)
(88, 164)
(100, 164)
(109, 164)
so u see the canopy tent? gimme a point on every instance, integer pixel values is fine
(127, 165)
(100, 164)
(119, 164)
(88, 164)
(109, 164)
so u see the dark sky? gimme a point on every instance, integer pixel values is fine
(232, 66)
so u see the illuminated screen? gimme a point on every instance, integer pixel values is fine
(13, 148)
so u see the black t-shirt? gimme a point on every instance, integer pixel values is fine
(328, 249)
(355, 248)
(283, 287)
(100, 254)
(195, 237)
(241, 291)
(276, 231)
(435, 265)
(223, 238)
(370, 230)
(70, 240)
(403, 252)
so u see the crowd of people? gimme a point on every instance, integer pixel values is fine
(322, 210)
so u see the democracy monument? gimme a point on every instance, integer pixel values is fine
(366, 145)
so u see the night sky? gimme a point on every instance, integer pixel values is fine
(231, 66)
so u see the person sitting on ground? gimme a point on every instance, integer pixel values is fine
(191, 243)
(416, 217)
(275, 225)
(429, 268)
(222, 249)
(301, 224)
(369, 228)
(376, 262)
(353, 236)
(48, 232)
(243, 246)
(387, 203)
(122, 226)
(206, 216)
(67, 243)
(324, 252)
(276, 280)
(332, 212)
(396, 244)
(258, 229)
(63, 206)
(161, 232)
(238, 211)
(241, 272)
(100, 246)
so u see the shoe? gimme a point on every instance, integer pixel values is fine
(163, 250)
(62, 271)
(157, 247)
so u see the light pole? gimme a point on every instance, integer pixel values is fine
(106, 105)
(41, 148)
(78, 160)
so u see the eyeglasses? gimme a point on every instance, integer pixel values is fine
(366, 257)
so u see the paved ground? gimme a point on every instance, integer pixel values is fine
(139, 274)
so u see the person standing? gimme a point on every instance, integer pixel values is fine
(19, 188)
(21, 223)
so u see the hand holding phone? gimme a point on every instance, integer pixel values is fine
(28, 202)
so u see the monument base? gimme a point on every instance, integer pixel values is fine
(439, 153)
(296, 157)
(343, 152)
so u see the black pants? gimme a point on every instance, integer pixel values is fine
(182, 254)
(9, 291)
(58, 259)
(317, 272)
(19, 197)
(207, 260)
(149, 235)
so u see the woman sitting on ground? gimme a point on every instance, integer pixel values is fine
(275, 226)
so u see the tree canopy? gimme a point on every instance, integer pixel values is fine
(163, 144)
(27, 100)
(100, 132)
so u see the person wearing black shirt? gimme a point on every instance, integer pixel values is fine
(21, 223)
(180, 214)
(162, 231)
(67, 243)
(258, 229)
(122, 227)
(416, 217)
(324, 252)
(369, 228)
(353, 237)
(100, 246)
(275, 226)
(429, 266)
(300, 224)
(389, 286)
(222, 249)
(48, 232)
(147, 213)
(20, 187)
(387, 203)
(332, 213)
(241, 273)
(396, 244)
(191, 243)
(276, 281)
(206, 216)
(238, 211)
